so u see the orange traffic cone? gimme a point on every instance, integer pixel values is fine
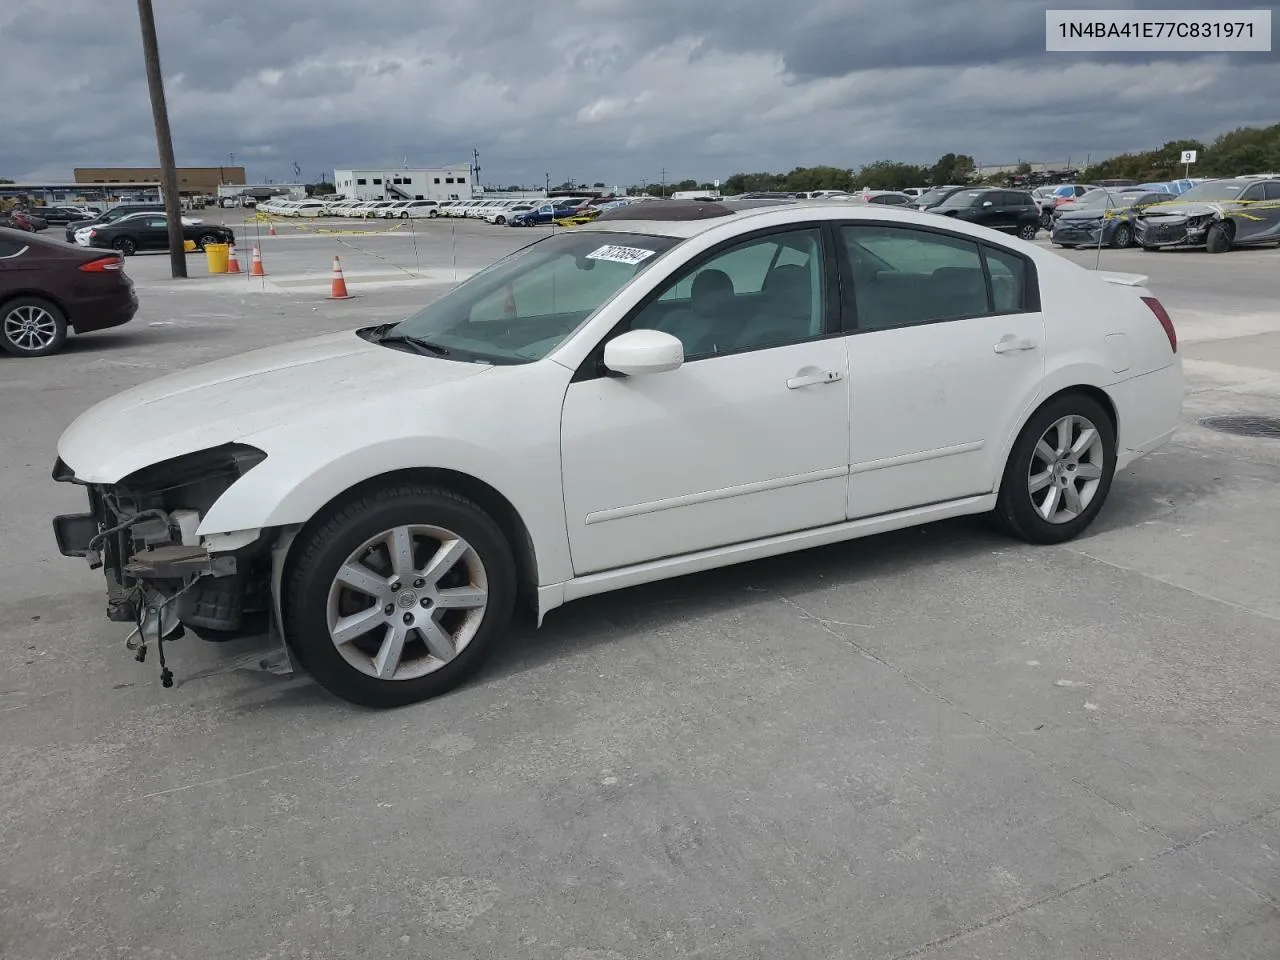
(271, 230)
(255, 268)
(233, 265)
(338, 291)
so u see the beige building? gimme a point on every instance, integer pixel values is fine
(197, 181)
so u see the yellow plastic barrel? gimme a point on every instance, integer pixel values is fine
(216, 254)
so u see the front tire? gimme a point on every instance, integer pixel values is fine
(1218, 238)
(32, 327)
(398, 595)
(1122, 239)
(1059, 471)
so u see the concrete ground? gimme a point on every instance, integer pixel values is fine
(939, 743)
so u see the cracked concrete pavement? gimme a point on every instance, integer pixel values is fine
(937, 743)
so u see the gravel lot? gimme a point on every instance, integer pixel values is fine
(938, 743)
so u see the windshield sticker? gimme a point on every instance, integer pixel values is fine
(632, 255)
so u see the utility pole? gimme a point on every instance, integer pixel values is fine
(164, 142)
(548, 184)
(475, 179)
(664, 183)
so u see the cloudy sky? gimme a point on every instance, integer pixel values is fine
(612, 90)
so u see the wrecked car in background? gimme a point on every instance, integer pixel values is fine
(1217, 215)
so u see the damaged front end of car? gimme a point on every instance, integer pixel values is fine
(163, 577)
(1173, 230)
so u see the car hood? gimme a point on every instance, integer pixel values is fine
(1175, 209)
(233, 399)
(1087, 214)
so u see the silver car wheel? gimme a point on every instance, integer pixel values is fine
(407, 602)
(30, 327)
(1066, 469)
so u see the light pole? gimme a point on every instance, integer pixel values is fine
(164, 141)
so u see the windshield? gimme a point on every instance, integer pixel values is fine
(1216, 191)
(964, 198)
(1099, 198)
(524, 306)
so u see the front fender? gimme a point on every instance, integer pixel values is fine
(506, 437)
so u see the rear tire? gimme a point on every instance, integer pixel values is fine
(32, 327)
(208, 239)
(125, 246)
(1218, 238)
(1122, 239)
(1047, 499)
(314, 600)
(1028, 231)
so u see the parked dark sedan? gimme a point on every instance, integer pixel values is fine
(47, 287)
(151, 232)
(61, 214)
(1103, 217)
(111, 216)
(1216, 215)
(1012, 211)
(545, 213)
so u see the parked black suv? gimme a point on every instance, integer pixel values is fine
(1012, 211)
(112, 215)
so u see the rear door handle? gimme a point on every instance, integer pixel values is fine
(1013, 345)
(813, 379)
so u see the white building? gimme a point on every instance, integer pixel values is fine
(438, 183)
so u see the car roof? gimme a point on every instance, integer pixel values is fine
(693, 225)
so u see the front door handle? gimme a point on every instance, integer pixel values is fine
(1013, 345)
(813, 379)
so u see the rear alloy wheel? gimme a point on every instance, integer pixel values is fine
(1059, 471)
(1122, 239)
(399, 595)
(126, 246)
(1046, 221)
(32, 327)
(500, 220)
(209, 238)
(1028, 231)
(404, 214)
(1218, 238)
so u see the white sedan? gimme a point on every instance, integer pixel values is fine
(630, 400)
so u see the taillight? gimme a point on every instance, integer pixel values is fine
(1165, 321)
(104, 265)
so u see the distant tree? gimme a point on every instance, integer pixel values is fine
(514, 188)
(891, 175)
(323, 188)
(1022, 169)
(819, 178)
(5, 180)
(598, 185)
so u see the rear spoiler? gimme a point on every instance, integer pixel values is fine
(1122, 279)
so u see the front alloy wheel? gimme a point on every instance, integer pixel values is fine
(419, 617)
(1059, 471)
(398, 595)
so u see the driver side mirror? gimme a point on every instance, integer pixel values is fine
(986, 203)
(639, 352)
